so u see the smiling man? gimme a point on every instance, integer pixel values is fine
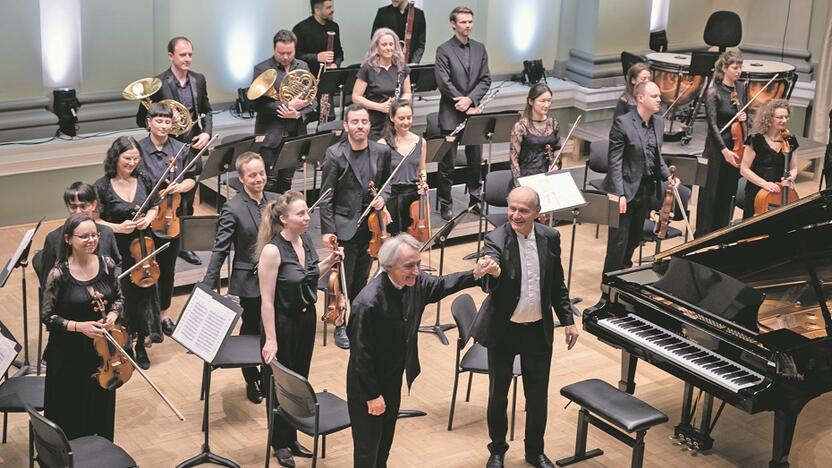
(383, 332)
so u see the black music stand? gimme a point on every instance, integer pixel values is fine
(441, 237)
(435, 149)
(303, 149)
(423, 78)
(333, 81)
(221, 160)
(233, 352)
(487, 129)
(198, 234)
(20, 259)
(629, 59)
(701, 64)
(349, 83)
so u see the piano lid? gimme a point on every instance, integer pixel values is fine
(812, 209)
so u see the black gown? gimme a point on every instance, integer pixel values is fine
(529, 155)
(381, 86)
(768, 164)
(72, 397)
(141, 305)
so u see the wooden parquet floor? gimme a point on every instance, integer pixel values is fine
(150, 432)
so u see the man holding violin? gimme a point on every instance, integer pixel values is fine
(239, 222)
(349, 168)
(157, 150)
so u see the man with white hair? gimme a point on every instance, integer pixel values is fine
(383, 330)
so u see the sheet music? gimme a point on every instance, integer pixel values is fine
(557, 191)
(25, 242)
(8, 349)
(203, 325)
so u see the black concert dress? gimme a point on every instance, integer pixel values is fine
(381, 86)
(768, 164)
(403, 188)
(528, 153)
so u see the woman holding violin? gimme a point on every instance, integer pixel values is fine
(534, 138)
(407, 185)
(288, 272)
(121, 191)
(73, 398)
(723, 100)
(764, 156)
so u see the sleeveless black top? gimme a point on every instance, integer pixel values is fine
(296, 289)
(533, 157)
(409, 173)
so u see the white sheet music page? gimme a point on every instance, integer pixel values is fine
(203, 325)
(557, 191)
(8, 350)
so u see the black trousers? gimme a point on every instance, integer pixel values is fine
(251, 326)
(372, 436)
(357, 263)
(167, 268)
(295, 342)
(714, 209)
(278, 181)
(401, 196)
(623, 240)
(529, 341)
(473, 177)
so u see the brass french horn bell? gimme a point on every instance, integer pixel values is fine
(298, 83)
(263, 85)
(141, 90)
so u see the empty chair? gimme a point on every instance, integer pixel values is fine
(497, 186)
(723, 30)
(597, 166)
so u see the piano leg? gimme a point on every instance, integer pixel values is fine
(785, 421)
(628, 373)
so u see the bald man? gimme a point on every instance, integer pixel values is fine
(517, 318)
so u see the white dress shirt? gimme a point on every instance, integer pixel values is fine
(528, 305)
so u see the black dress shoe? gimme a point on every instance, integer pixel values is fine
(284, 458)
(341, 339)
(446, 213)
(167, 326)
(253, 393)
(190, 257)
(540, 461)
(495, 461)
(298, 450)
(141, 358)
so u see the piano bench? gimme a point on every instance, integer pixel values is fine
(627, 414)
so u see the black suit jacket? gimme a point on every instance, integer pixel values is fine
(384, 328)
(267, 122)
(627, 154)
(312, 38)
(504, 292)
(199, 89)
(391, 17)
(51, 245)
(238, 224)
(339, 214)
(454, 79)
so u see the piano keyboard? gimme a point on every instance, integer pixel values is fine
(689, 355)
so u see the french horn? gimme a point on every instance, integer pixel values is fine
(142, 90)
(298, 83)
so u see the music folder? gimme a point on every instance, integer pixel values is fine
(9, 348)
(205, 322)
(557, 191)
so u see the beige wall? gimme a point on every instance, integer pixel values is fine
(20, 75)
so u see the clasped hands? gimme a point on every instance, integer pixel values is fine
(291, 109)
(486, 266)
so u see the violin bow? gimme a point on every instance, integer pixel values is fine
(139, 263)
(327, 193)
(681, 208)
(159, 181)
(568, 136)
(194, 159)
(386, 183)
(681, 93)
(749, 102)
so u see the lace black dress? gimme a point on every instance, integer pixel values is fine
(528, 153)
(768, 164)
(72, 397)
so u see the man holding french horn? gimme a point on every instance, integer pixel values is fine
(280, 113)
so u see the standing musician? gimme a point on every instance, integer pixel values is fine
(349, 168)
(72, 397)
(405, 188)
(157, 149)
(516, 318)
(383, 76)
(277, 120)
(189, 88)
(763, 159)
(312, 37)
(238, 223)
(637, 73)
(396, 16)
(534, 138)
(463, 79)
(723, 100)
(636, 170)
(383, 331)
(121, 191)
(79, 197)
(288, 272)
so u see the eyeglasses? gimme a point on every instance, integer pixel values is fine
(78, 206)
(87, 237)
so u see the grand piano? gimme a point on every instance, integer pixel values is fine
(741, 314)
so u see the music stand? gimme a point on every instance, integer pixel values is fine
(441, 237)
(332, 82)
(203, 329)
(701, 64)
(436, 148)
(349, 83)
(198, 233)
(221, 160)
(304, 149)
(20, 259)
(628, 60)
(423, 78)
(487, 129)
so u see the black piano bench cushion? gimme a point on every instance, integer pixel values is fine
(620, 408)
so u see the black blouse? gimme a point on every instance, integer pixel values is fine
(66, 298)
(296, 290)
(768, 164)
(381, 86)
(719, 110)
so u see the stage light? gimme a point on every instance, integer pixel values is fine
(243, 107)
(60, 34)
(533, 71)
(524, 24)
(240, 53)
(65, 105)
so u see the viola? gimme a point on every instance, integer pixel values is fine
(336, 304)
(147, 274)
(739, 130)
(420, 213)
(666, 212)
(115, 369)
(166, 223)
(377, 225)
(765, 200)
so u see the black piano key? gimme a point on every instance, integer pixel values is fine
(696, 355)
(647, 333)
(657, 338)
(705, 360)
(685, 352)
(676, 346)
(740, 376)
(663, 342)
(726, 370)
(735, 374)
(747, 379)
(637, 328)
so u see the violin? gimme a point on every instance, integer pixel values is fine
(739, 130)
(147, 274)
(765, 200)
(115, 369)
(377, 225)
(420, 213)
(666, 212)
(336, 304)
(166, 223)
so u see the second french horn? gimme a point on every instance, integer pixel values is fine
(298, 83)
(142, 90)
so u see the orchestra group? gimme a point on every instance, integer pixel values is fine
(116, 222)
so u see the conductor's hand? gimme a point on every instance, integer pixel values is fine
(462, 103)
(269, 351)
(378, 204)
(90, 329)
(571, 332)
(622, 204)
(486, 266)
(376, 406)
